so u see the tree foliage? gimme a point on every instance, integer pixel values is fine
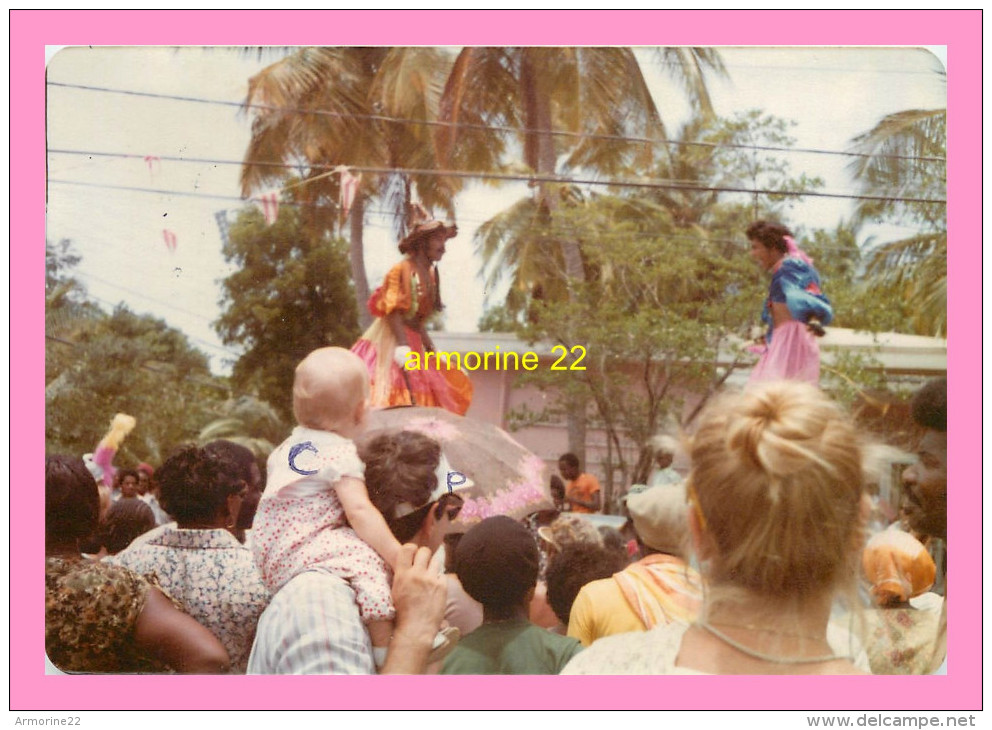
(247, 421)
(354, 106)
(745, 157)
(290, 294)
(97, 365)
(671, 293)
(903, 165)
(655, 319)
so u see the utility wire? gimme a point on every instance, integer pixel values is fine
(533, 178)
(93, 277)
(481, 127)
(202, 342)
(690, 185)
(557, 229)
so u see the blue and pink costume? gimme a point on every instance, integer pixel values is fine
(792, 351)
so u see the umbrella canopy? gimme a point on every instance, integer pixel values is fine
(504, 477)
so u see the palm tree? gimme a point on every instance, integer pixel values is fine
(904, 157)
(323, 107)
(247, 421)
(576, 105)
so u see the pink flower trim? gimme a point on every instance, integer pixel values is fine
(515, 499)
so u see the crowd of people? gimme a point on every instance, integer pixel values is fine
(339, 558)
(354, 561)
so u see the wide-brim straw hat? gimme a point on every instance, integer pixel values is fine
(421, 225)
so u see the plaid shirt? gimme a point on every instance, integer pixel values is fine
(312, 626)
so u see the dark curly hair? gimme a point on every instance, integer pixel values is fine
(72, 500)
(125, 520)
(929, 405)
(195, 483)
(121, 473)
(241, 456)
(400, 468)
(770, 235)
(573, 567)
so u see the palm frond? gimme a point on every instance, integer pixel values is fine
(689, 67)
(481, 91)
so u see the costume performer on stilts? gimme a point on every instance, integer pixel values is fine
(410, 294)
(796, 309)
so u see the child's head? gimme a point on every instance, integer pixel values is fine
(578, 564)
(330, 390)
(568, 466)
(497, 564)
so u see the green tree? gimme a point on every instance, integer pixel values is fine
(571, 108)
(688, 170)
(857, 301)
(247, 421)
(355, 106)
(290, 294)
(655, 323)
(903, 164)
(745, 156)
(97, 365)
(67, 310)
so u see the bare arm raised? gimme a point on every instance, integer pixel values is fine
(365, 519)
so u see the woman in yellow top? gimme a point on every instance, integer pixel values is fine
(658, 589)
(402, 306)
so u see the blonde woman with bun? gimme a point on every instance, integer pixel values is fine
(776, 515)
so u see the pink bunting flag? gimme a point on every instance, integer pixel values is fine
(154, 165)
(170, 239)
(269, 202)
(348, 187)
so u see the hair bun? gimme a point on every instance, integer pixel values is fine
(775, 436)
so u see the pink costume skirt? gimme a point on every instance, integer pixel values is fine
(793, 354)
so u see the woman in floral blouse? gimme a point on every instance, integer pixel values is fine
(103, 618)
(198, 560)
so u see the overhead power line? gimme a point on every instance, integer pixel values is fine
(482, 127)
(535, 178)
(672, 183)
(560, 229)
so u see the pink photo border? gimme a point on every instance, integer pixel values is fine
(30, 31)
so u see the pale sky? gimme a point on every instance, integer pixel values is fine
(833, 94)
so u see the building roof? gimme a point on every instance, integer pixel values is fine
(897, 354)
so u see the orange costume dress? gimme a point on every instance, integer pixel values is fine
(402, 291)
